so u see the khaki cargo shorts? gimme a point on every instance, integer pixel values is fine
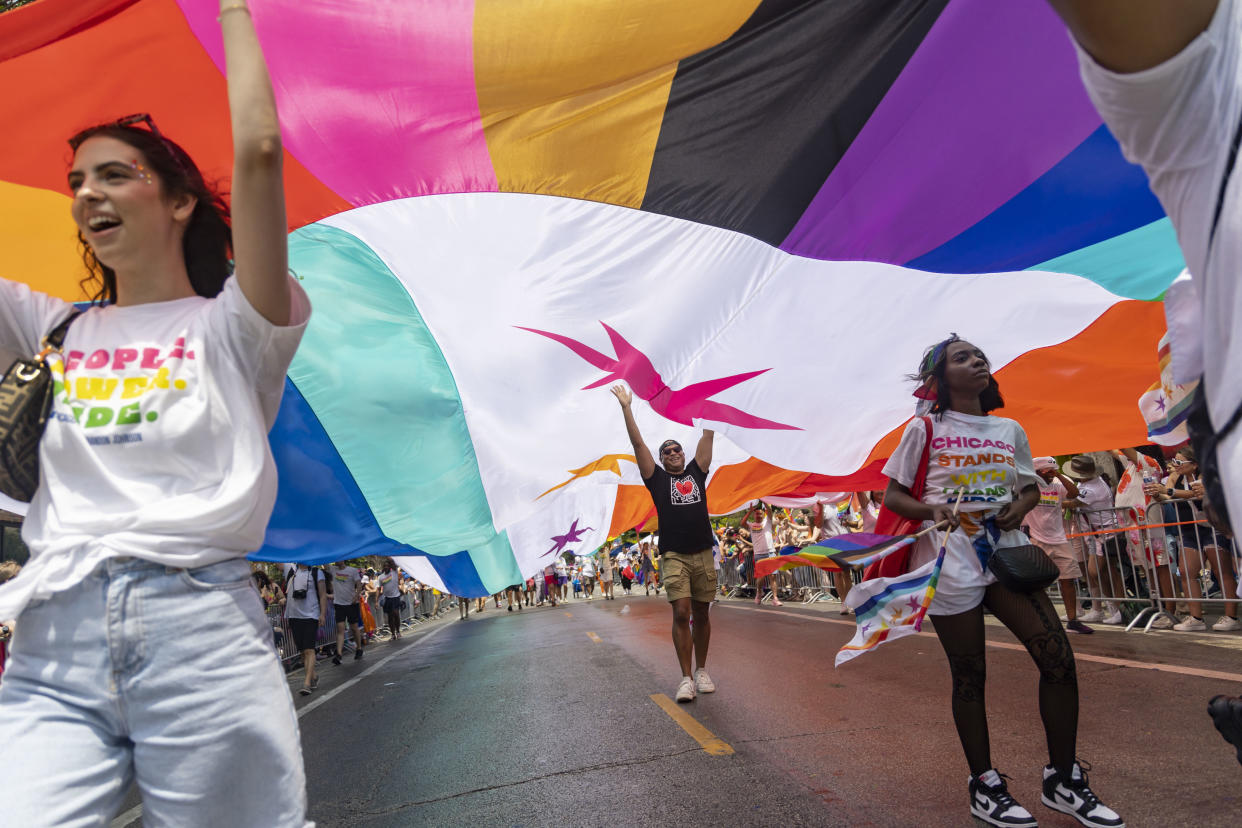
(689, 575)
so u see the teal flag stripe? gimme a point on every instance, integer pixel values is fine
(1140, 264)
(405, 440)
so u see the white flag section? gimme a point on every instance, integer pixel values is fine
(539, 303)
(886, 609)
(575, 522)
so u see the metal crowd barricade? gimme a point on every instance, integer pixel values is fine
(729, 579)
(810, 584)
(1120, 560)
(1191, 537)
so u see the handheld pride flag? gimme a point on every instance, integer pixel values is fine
(886, 609)
(835, 553)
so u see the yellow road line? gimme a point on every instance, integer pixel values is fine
(594, 637)
(710, 743)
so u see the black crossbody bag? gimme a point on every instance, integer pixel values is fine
(25, 403)
(1204, 437)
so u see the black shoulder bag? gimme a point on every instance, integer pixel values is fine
(25, 403)
(1204, 438)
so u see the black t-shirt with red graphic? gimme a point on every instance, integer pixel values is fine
(681, 506)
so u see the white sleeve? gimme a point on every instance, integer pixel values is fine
(1177, 120)
(903, 465)
(258, 349)
(26, 316)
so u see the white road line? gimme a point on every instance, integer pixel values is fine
(336, 691)
(136, 811)
(1005, 645)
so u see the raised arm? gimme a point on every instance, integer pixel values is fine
(1132, 35)
(260, 249)
(703, 454)
(642, 454)
(1071, 488)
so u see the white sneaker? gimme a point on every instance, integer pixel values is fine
(685, 690)
(1164, 622)
(991, 802)
(1093, 617)
(1115, 619)
(1191, 624)
(1074, 797)
(703, 682)
(1225, 624)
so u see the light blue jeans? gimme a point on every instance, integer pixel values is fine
(160, 675)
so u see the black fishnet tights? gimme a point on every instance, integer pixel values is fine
(1033, 621)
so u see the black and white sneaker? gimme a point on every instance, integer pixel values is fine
(990, 801)
(1226, 713)
(1072, 796)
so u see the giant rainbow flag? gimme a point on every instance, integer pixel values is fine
(754, 212)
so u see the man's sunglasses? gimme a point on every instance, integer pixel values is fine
(670, 450)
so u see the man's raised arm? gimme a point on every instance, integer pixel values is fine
(703, 454)
(642, 454)
(1133, 35)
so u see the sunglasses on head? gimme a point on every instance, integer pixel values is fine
(143, 118)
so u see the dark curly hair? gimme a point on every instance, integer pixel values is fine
(930, 375)
(208, 241)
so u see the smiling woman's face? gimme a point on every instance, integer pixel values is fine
(119, 204)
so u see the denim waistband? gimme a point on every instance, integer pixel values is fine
(128, 563)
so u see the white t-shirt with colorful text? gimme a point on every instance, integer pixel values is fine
(987, 459)
(346, 581)
(156, 446)
(1047, 520)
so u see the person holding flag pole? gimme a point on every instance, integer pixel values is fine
(982, 465)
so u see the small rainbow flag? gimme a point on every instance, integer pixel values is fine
(831, 554)
(889, 608)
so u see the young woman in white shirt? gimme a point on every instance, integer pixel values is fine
(984, 463)
(150, 499)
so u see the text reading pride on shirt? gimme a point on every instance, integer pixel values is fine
(103, 400)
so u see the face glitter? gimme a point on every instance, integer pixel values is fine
(142, 172)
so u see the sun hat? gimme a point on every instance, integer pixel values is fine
(1081, 467)
(1045, 463)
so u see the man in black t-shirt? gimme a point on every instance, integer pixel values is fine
(686, 567)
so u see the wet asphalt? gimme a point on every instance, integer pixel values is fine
(545, 718)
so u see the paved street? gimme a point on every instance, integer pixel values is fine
(546, 717)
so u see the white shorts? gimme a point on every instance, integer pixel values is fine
(962, 580)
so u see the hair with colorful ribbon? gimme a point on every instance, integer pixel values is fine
(933, 393)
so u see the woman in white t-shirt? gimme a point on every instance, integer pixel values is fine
(984, 464)
(826, 523)
(763, 545)
(156, 480)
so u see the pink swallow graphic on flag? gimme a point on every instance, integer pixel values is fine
(680, 405)
(572, 535)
